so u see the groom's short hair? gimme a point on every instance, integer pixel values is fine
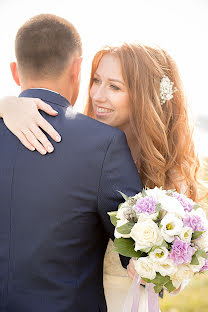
(45, 44)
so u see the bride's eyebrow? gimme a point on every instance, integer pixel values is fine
(116, 80)
(111, 79)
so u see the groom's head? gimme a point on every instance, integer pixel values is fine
(48, 51)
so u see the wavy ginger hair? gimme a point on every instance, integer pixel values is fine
(166, 155)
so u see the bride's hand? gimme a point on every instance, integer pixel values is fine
(22, 118)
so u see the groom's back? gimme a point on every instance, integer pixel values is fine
(54, 226)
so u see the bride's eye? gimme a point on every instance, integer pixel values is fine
(96, 80)
(114, 87)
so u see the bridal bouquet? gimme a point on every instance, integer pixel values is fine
(166, 232)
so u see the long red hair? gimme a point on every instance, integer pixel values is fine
(166, 155)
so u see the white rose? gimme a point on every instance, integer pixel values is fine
(166, 268)
(202, 241)
(116, 233)
(145, 268)
(172, 205)
(146, 234)
(171, 226)
(143, 215)
(183, 273)
(186, 234)
(158, 193)
(197, 268)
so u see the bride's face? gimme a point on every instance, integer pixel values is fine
(109, 94)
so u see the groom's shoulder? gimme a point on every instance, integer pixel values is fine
(88, 125)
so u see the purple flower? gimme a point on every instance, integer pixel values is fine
(187, 203)
(205, 267)
(146, 204)
(194, 222)
(181, 252)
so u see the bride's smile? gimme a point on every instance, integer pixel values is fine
(110, 99)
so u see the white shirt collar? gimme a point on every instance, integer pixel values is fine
(46, 90)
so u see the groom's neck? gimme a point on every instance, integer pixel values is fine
(60, 87)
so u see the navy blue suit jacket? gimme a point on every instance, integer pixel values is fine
(54, 226)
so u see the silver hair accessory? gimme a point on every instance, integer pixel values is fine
(166, 90)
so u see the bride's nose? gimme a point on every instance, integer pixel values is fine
(99, 94)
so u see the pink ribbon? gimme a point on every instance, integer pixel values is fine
(153, 299)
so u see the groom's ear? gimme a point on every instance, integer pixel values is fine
(76, 68)
(15, 75)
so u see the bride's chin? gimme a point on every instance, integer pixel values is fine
(103, 120)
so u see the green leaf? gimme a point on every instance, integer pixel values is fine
(160, 280)
(126, 228)
(113, 218)
(164, 244)
(201, 253)
(119, 206)
(196, 234)
(194, 260)
(159, 207)
(125, 247)
(124, 196)
(147, 280)
(144, 193)
(158, 288)
(153, 248)
(146, 250)
(169, 286)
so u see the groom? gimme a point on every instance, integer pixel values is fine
(54, 226)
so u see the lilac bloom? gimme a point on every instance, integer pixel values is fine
(181, 252)
(146, 205)
(194, 222)
(187, 203)
(205, 267)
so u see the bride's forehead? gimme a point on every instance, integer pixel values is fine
(109, 65)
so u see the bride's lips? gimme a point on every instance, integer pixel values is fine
(102, 111)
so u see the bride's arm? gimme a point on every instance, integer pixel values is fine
(22, 118)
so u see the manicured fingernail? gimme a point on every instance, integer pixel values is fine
(50, 148)
(43, 152)
(32, 148)
(54, 111)
(58, 138)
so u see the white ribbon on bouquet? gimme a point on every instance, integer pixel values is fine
(141, 299)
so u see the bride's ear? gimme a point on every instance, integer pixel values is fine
(15, 75)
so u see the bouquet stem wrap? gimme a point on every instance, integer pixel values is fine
(141, 299)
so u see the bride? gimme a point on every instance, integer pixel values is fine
(137, 89)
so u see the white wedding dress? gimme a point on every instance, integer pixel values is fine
(116, 282)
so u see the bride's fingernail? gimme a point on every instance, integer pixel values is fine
(32, 148)
(58, 138)
(50, 148)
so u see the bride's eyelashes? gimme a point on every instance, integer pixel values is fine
(96, 80)
(112, 86)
